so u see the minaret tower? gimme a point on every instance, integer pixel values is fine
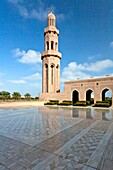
(51, 57)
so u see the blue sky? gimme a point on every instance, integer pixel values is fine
(85, 41)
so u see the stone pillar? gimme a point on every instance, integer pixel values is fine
(82, 95)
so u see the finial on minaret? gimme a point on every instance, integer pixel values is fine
(51, 10)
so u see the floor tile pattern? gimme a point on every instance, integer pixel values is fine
(107, 159)
(32, 126)
(78, 154)
(32, 139)
(57, 141)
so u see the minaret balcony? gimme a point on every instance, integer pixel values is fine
(52, 29)
(51, 53)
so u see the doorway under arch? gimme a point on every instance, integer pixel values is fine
(107, 95)
(90, 96)
(75, 97)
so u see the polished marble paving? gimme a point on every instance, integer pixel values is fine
(56, 138)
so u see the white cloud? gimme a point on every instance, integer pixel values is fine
(17, 81)
(35, 76)
(98, 65)
(39, 13)
(69, 74)
(17, 53)
(111, 44)
(29, 57)
(23, 11)
(94, 56)
(31, 80)
(94, 67)
(60, 17)
(73, 70)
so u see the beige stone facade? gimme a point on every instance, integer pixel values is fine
(77, 90)
(84, 88)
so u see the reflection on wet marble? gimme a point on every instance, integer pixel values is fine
(32, 126)
(55, 138)
(88, 113)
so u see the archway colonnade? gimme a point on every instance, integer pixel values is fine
(92, 95)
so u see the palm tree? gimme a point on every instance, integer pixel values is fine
(16, 95)
(27, 96)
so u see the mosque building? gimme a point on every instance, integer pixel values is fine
(78, 90)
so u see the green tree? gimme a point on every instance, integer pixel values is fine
(27, 96)
(16, 95)
(0, 95)
(4, 95)
(36, 98)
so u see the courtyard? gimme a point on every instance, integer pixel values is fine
(56, 138)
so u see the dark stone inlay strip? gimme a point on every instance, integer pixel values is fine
(98, 154)
(107, 159)
(54, 143)
(76, 156)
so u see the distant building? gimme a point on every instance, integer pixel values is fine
(73, 90)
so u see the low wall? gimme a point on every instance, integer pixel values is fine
(54, 96)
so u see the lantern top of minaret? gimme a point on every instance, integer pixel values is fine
(51, 15)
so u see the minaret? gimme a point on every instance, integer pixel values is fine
(51, 57)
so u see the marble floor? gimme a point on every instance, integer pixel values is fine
(56, 138)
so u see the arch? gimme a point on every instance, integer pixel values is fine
(50, 21)
(103, 96)
(52, 73)
(52, 64)
(47, 45)
(57, 74)
(46, 73)
(52, 45)
(89, 97)
(56, 46)
(46, 65)
(103, 93)
(57, 66)
(75, 96)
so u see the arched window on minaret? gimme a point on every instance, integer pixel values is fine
(50, 21)
(52, 45)
(47, 45)
(56, 46)
(54, 24)
(46, 70)
(57, 73)
(57, 66)
(52, 72)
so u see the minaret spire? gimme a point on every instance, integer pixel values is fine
(51, 57)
